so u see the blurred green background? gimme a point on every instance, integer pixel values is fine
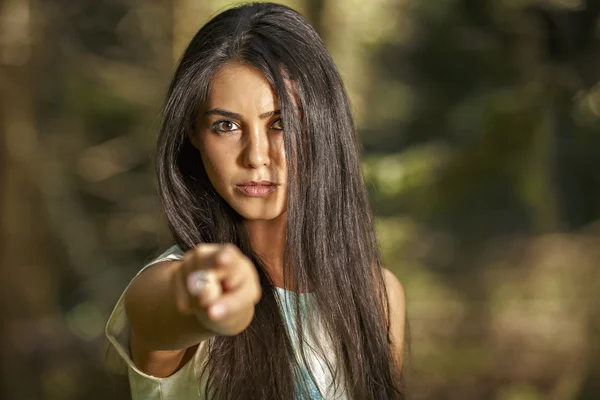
(480, 121)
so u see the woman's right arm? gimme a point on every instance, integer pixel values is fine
(170, 311)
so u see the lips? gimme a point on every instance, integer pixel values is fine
(257, 189)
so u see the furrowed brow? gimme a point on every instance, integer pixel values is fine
(269, 114)
(229, 114)
(224, 113)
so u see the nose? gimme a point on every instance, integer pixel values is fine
(256, 149)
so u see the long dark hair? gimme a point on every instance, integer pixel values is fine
(331, 246)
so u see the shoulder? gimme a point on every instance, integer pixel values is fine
(397, 307)
(394, 288)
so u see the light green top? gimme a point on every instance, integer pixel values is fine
(185, 384)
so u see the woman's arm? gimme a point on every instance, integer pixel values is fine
(168, 321)
(396, 299)
(159, 334)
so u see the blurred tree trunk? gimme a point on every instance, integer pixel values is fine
(570, 42)
(25, 261)
(13, 52)
(3, 248)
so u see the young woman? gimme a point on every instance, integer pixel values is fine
(274, 289)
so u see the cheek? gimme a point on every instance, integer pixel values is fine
(279, 150)
(216, 166)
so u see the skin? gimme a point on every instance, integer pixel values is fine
(247, 147)
(239, 138)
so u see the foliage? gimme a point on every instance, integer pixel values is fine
(480, 122)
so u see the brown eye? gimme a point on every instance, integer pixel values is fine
(277, 125)
(224, 126)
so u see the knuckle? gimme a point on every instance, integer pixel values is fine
(199, 250)
(230, 247)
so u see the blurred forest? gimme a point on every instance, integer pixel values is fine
(480, 121)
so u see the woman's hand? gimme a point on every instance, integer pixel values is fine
(219, 284)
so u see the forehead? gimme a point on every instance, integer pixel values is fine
(238, 88)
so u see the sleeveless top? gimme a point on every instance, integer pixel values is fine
(186, 383)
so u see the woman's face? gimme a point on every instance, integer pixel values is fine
(240, 138)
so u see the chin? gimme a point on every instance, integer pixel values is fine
(258, 216)
(258, 209)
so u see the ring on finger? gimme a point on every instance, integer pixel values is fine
(198, 280)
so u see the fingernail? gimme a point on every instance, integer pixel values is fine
(218, 310)
(197, 281)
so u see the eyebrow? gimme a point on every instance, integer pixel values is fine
(229, 114)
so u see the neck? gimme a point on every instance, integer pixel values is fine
(267, 238)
